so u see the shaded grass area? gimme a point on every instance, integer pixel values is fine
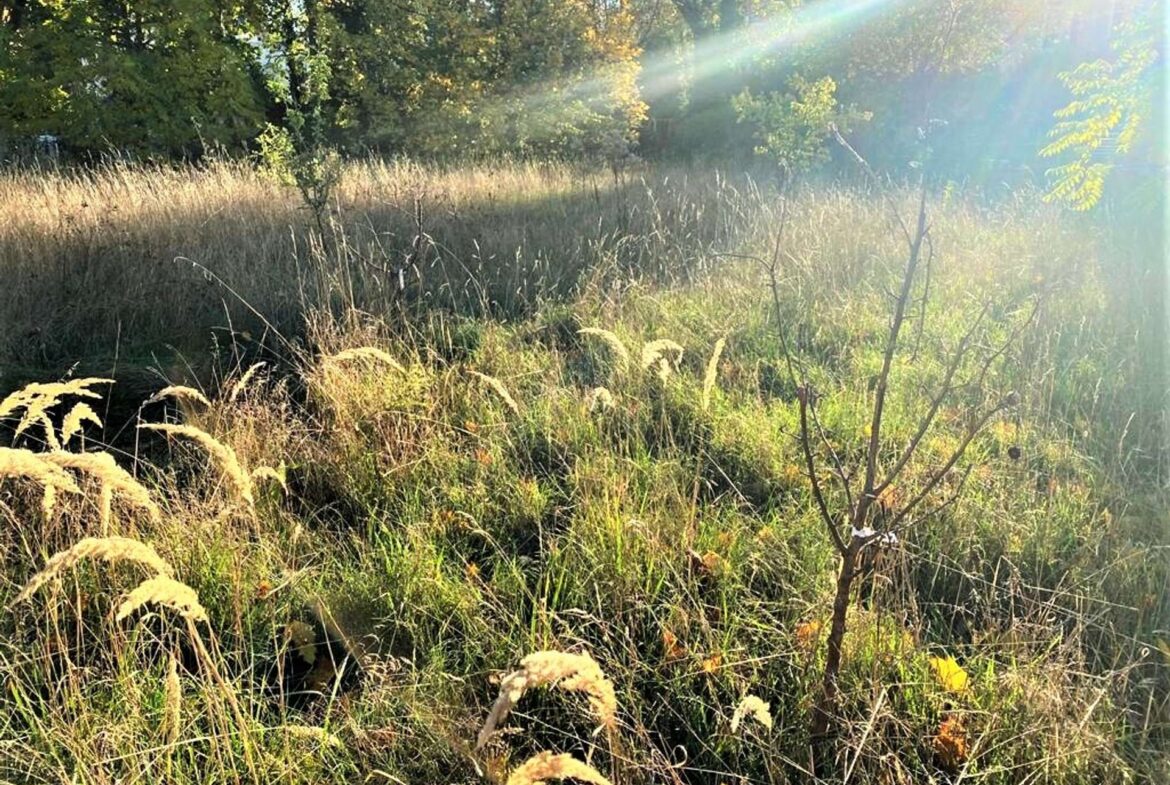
(435, 530)
(130, 260)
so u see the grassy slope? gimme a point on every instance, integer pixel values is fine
(431, 535)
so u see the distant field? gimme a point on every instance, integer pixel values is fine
(436, 473)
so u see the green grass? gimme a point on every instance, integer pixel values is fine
(432, 537)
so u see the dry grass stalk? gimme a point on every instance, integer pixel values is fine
(753, 707)
(367, 353)
(222, 455)
(25, 463)
(545, 766)
(241, 384)
(276, 474)
(498, 387)
(49, 501)
(38, 397)
(110, 549)
(106, 508)
(114, 479)
(571, 672)
(712, 373)
(173, 702)
(72, 425)
(615, 344)
(656, 356)
(600, 398)
(313, 733)
(180, 393)
(51, 440)
(165, 591)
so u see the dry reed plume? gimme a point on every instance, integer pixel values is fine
(498, 387)
(570, 672)
(31, 465)
(75, 420)
(313, 733)
(610, 339)
(172, 702)
(223, 456)
(599, 398)
(113, 478)
(165, 591)
(276, 474)
(367, 353)
(656, 357)
(712, 372)
(179, 392)
(241, 384)
(753, 707)
(39, 397)
(546, 766)
(110, 549)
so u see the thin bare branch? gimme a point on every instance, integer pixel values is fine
(879, 400)
(945, 389)
(838, 466)
(977, 425)
(803, 395)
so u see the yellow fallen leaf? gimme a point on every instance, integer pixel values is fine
(950, 674)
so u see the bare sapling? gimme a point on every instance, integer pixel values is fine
(856, 502)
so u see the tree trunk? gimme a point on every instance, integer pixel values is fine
(827, 704)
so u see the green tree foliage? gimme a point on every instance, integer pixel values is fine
(568, 78)
(790, 128)
(407, 76)
(297, 70)
(1111, 103)
(150, 76)
(527, 76)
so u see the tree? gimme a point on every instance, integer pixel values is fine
(298, 74)
(791, 128)
(1112, 100)
(153, 77)
(882, 489)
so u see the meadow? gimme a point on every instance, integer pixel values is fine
(509, 464)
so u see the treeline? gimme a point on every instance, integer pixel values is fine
(567, 78)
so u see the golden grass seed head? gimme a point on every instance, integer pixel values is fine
(610, 339)
(114, 479)
(172, 701)
(222, 455)
(313, 733)
(75, 420)
(31, 465)
(498, 387)
(179, 392)
(277, 474)
(662, 356)
(712, 373)
(39, 397)
(109, 549)
(368, 354)
(570, 672)
(241, 385)
(546, 766)
(754, 707)
(600, 398)
(165, 591)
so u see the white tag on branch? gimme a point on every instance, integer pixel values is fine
(868, 533)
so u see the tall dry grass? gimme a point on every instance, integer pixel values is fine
(132, 258)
